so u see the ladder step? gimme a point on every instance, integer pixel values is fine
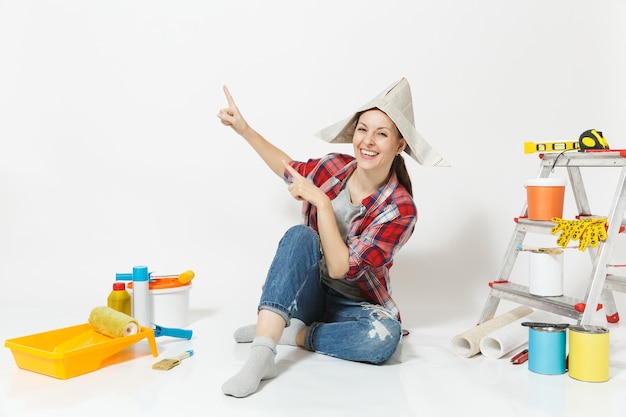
(563, 305)
(533, 226)
(615, 283)
(545, 226)
(612, 158)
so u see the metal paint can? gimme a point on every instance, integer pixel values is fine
(589, 353)
(546, 350)
(545, 274)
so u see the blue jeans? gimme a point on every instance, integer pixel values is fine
(337, 326)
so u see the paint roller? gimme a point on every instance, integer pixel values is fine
(112, 323)
(106, 324)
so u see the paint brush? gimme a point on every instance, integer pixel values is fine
(549, 251)
(167, 364)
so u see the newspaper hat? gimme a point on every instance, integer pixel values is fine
(397, 103)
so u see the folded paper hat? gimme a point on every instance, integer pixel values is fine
(397, 103)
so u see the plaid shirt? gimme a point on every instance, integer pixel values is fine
(385, 223)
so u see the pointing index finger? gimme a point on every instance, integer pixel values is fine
(291, 170)
(229, 98)
(289, 167)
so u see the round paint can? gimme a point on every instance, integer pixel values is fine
(546, 350)
(545, 198)
(169, 301)
(589, 353)
(545, 274)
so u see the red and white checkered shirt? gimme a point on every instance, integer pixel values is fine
(385, 223)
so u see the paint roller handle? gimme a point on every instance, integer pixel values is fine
(172, 332)
(123, 276)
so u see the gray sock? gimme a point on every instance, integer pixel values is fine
(246, 334)
(259, 366)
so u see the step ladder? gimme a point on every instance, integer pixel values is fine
(601, 285)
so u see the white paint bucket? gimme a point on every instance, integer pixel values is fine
(545, 274)
(169, 302)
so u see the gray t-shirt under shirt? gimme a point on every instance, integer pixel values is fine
(345, 211)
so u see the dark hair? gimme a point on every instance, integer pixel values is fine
(401, 172)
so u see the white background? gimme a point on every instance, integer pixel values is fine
(111, 154)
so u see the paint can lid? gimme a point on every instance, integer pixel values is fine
(164, 284)
(589, 329)
(548, 329)
(546, 182)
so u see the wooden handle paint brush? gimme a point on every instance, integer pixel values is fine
(549, 251)
(167, 364)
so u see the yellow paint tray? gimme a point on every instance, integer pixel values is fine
(72, 351)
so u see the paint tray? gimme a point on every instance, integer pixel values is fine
(72, 351)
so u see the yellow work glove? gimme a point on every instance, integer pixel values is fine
(589, 231)
(579, 228)
(593, 233)
(566, 227)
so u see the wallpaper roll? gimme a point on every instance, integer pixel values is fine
(468, 343)
(510, 337)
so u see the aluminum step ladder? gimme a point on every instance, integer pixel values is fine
(601, 285)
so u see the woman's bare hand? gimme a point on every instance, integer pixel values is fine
(230, 116)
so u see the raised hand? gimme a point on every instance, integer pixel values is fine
(271, 155)
(230, 116)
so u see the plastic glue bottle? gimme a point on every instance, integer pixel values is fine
(119, 298)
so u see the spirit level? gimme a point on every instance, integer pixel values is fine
(532, 147)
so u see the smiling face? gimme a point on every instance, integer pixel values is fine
(376, 141)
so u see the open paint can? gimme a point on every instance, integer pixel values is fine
(589, 353)
(546, 350)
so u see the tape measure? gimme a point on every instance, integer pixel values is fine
(532, 147)
(592, 139)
